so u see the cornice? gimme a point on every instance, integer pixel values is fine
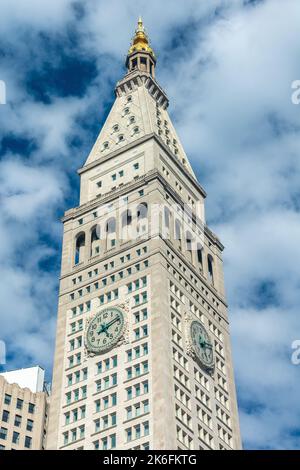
(138, 78)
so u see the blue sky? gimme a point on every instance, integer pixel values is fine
(227, 67)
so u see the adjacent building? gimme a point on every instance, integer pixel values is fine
(143, 355)
(23, 409)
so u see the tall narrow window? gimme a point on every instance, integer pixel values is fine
(199, 254)
(126, 218)
(188, 239)
(111, 233)
(126, 224)
(189, 245)
(95, 240)
(167, 217)
(210, 266)
(177, 230)
(80, 244)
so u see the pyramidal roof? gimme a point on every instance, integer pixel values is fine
(140, 107)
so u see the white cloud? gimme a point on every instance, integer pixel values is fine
(229, 83)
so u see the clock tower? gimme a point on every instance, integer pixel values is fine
(143, 356)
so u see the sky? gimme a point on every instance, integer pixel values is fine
(227, 67)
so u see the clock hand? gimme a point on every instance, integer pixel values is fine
(102, 329)
(112, 322)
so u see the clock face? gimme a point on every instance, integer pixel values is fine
(105, 330)
(202, 344)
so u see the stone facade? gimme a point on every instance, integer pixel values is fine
(23, 416)
(132, 243)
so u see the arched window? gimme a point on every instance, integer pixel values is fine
(95, 240)
(79, 248)
(177, 230)
(142, 211)
(210, 267)
(120, 138)
(199, 254)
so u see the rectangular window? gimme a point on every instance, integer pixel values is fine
(113, 399)
(16, 437)
(136, 166)
(5, 416)
(19, 404)
(106, 382)
(113, 441)
(7, 399)
(114, 379)
(31, 408)
(104, 443)
(28, 442)
(81, 432)
(129, 412)
(128, 435)
(18, 421)
(29, 425)
(138, 432)
(98, 386)
(3, 433)
(105, 403)
(67, 421)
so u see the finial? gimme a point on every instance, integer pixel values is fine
(140, 41)
(140, 22)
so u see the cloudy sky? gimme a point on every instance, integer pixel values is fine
(227, 66)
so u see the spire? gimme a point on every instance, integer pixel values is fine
(140, 41)
(140, 54)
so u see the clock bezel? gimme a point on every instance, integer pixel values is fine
(102, 350)
(203, 364)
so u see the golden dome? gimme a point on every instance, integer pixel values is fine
(140, 41)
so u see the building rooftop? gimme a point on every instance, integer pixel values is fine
(30, 377)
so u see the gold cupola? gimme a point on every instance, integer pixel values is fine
(140, 54)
